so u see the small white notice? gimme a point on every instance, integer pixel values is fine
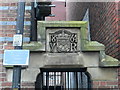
(17, 40)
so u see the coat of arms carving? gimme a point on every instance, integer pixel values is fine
(63, 41)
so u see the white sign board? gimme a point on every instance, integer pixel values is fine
(17, 40)
(16, 57)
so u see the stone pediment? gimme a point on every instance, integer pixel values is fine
(68, 37)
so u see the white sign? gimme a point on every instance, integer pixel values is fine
(17, 40)
(16, 57)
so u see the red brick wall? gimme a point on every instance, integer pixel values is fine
(7, 30)
(109, 84)
(104, 23)
(104, 26)
(119, 77)
(118, 19)
(105, 84)
(119, 40)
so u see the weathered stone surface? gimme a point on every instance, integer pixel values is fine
(84, 59)
(64, 59)
(66, 40)
(90, 54)
(34, 46)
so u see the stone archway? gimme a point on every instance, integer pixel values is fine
(65, 77)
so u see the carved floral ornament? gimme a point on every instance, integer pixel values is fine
(63, 41)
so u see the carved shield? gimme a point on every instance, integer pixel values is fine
(63, 45)
(63, 41)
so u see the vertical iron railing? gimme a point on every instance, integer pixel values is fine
(64, 79)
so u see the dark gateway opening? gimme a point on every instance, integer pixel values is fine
(63, 79)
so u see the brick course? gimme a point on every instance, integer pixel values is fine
(8, 29)
(104, 26)
(104, 21)
(105, 84)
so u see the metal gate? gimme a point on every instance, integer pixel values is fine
(63, 79)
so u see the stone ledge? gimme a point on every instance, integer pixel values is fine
(34, 46)
(105, 60)
(64, 66)
(109, 61)
(92, 46)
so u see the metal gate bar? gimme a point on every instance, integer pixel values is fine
(54, 81)
(64, 79)
(70, 80)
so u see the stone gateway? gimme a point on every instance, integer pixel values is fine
(63, 55)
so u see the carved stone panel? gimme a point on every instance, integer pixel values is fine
(63, 40)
